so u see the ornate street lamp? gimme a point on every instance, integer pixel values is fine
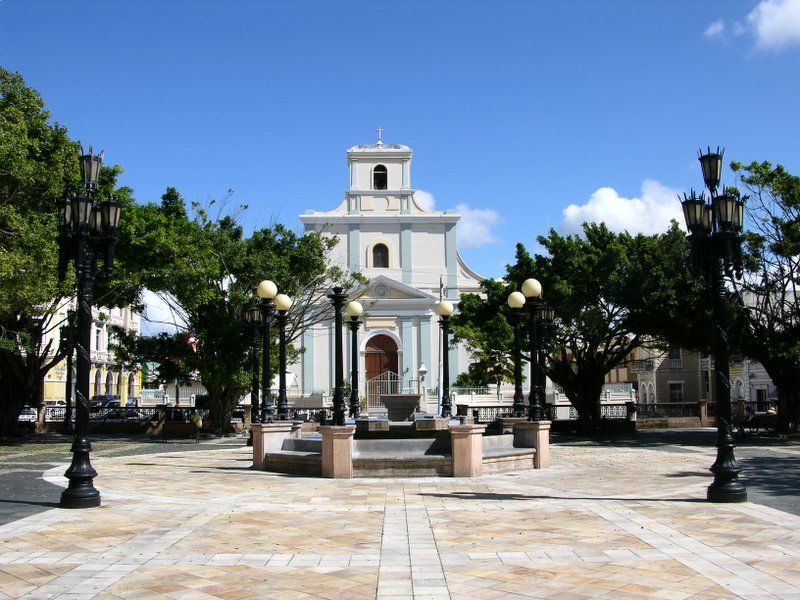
(338, 297)
(282, 303)
(445, 310)
(87, 230)
(545, 316)
(354, 310)
(715, 229)
(516, 300)
(422, 371)
(267, 290)
(532, 290)
(252, 316)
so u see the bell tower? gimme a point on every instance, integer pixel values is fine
(380, 178)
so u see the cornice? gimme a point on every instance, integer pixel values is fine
(378, 218)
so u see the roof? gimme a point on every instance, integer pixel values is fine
(379, 148)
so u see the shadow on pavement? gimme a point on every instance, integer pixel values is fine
(499, 496)
(25, 493)
(31, 502)
(772, 475)
(642, 438)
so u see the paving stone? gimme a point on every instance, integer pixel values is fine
(613, 523)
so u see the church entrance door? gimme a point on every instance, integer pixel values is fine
(380, 368)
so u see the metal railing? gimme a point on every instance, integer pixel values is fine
(471, 391)
(485, 414)
(385, 383)
(668, 409)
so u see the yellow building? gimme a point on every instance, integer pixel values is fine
(106, 377)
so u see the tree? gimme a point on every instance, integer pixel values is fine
(770, 317)
(205, 268)
(486, 332)
(605, 288)
(37, 162)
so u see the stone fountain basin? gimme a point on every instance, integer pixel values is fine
(398, 457)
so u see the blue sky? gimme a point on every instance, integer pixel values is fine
(524, 115)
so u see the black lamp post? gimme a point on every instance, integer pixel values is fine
(532, 290)
(68, 341)
(252, 316)
(516, 300)
(338, 297)
(545, 316)
(354, 310)
(715, 228)
(267, 290)
(445, 310)
(87, 230)
(282, 303)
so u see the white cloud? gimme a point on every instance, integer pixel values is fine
(649, 214)
(775, 24)
(715, 29)
(739, 29)
(158, 316)
(424, 199)
(475, 226)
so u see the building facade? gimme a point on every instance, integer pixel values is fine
(106, 376)
(680, 375)
(409, 254)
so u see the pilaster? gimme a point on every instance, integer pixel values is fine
(337, 451)
(268, 437)
(534, 434)
(467, 450)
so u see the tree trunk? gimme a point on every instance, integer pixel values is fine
(792, 405)
(223, 400)
(11, 402)
(788, 399)
(583, 392)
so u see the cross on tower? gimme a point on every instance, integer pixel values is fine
(380, 132)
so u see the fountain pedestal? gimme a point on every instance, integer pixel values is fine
(337, 451)
(467, 447)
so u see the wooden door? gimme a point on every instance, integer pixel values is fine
(380, 357)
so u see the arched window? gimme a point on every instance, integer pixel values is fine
(380, 178)
(98, 383)
(380, 256)
(131, 388)
(109, 383)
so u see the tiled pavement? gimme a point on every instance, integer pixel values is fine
(612, 523)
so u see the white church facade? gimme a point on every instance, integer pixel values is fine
(409, 254)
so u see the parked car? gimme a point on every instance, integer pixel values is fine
(27, 415)
(55, 403)
(104, 401)
(119, 414)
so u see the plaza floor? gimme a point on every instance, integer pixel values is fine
(602, 522)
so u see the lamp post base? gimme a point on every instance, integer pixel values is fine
(80, 492)
(728, 492)
(726, 487)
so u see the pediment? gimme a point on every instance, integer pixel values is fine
(386, 288)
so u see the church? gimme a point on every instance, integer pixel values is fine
(410, 256)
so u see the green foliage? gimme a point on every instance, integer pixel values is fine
(473, 377)
(770, 316)
(37, 162)
(207, 270)
(611, 292)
